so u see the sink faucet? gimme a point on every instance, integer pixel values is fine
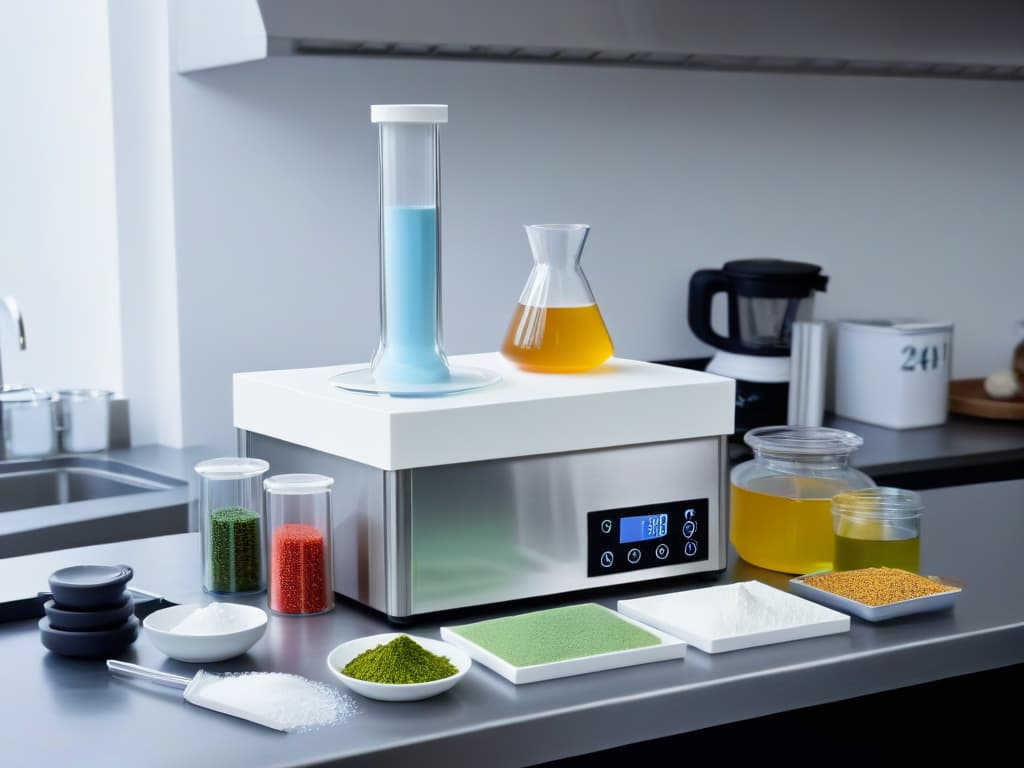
(11, 306)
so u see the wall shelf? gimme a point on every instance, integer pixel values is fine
(903, 38)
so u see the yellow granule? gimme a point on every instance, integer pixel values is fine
(877, 586)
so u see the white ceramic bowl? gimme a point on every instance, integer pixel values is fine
(344, 653)
(206, 648)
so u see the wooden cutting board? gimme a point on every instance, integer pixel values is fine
(967, 396)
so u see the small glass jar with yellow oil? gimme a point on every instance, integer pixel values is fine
(781, 516)
(876, 527)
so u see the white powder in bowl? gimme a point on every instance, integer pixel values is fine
(213, 619)
(275, 699)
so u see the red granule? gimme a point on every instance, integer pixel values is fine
(298, 578)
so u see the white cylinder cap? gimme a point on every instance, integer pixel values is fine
(231, 468)
(298, 484)
(409, 113)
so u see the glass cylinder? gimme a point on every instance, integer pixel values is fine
(876, 527)
(410, 358)
(299, 523)
(410, 265)
(231, 524)
(780, 516)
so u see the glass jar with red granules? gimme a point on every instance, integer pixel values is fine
(300, 579)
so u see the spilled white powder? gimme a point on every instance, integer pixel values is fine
(746, 609)
(212, 619)
(275, 699)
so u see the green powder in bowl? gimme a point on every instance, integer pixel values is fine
(557, 634)
(401, 661)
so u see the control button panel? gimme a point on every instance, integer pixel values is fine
(649, 536)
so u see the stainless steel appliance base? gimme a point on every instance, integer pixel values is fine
(426, 540)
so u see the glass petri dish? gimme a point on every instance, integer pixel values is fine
(461, 379)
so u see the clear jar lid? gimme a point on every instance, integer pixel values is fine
(85, 394)
(796, 442)
(878, 504)
(298, 484)
(231, 468)
(26, 395)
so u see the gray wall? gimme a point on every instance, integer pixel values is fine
(907, 192)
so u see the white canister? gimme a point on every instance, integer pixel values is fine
(893, 373)
(28, 423)
(85, 420)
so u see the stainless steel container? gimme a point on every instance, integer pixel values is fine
(84, 420)
(28, 423)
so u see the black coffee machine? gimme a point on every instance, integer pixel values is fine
(765, 298)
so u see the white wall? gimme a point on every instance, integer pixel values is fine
(58, 231)
(145, 191)
(167, 232)
(907, 192)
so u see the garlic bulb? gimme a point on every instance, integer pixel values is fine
(1002, 384)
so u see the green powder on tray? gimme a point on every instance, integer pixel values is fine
(401, 661)
(557, 634)
(235, 556)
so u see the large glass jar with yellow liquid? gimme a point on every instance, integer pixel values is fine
(781, 516)
(557, 327)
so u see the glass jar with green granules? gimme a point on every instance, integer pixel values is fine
(231, 523)
(402, 661)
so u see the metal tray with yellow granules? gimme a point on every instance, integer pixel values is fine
(888, 610)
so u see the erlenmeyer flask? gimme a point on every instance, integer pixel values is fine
(557, 327)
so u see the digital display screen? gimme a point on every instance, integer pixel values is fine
(642, 528)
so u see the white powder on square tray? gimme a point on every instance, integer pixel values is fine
(212, 619)
(750, 612)
(279, 700)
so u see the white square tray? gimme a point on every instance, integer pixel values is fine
(734, 616)
(669, 648)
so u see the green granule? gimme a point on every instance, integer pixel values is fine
(402, 661)
(557, 634)
(235, 557)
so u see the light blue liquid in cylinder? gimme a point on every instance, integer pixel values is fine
(410, 354)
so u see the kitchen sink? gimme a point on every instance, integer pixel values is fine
(25, 485)
(71, 501)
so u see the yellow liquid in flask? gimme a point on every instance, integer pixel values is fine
(785, 523)
(557, 339)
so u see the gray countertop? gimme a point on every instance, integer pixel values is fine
(55, 707)
(151, 511)
(963, 450)
(962, 439)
